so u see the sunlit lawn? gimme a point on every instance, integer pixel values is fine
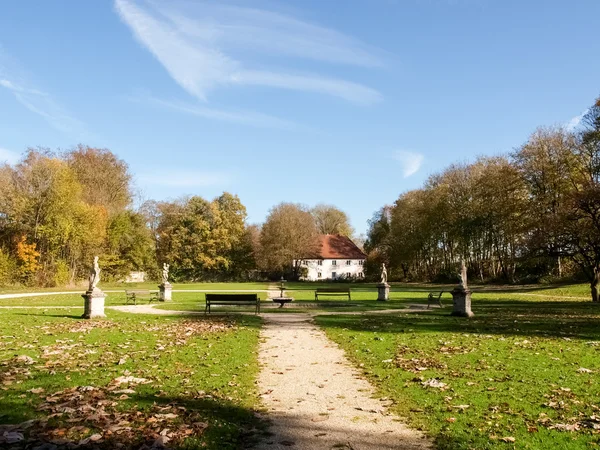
(128, 378)
(523, 373)
(111, 286)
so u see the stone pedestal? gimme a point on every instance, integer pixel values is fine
(93, 306)
(164, 294)
(383, 292)
(461, 299)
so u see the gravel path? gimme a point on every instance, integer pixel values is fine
(315, 399)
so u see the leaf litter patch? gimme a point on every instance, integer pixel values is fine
(97, 417)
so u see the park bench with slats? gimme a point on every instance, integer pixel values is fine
(232, 299)
(432, 297)
(332, 291)
(133, 295)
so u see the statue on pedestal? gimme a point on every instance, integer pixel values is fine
(93, 305)
(383, 288)
(94, 275)
(165, 273)
(165, 288)
(463, 275)
(383, 274)
(461, 295)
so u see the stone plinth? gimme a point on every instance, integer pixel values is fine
(383, 292)
(93, 306)
(461, 299)
(165, 290)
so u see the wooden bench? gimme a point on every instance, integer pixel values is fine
(232, 299)
(332, 291)
(432, 297)
(140, 294)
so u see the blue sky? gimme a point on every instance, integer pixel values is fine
(341, 102)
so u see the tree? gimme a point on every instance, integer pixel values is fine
(200, 239)
(331, 220)
(584, 218)
(289, 234)
(129, 245)
(104, 178)
(245, 255)
(545, 164)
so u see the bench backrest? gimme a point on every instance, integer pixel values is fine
(347, 290)
(232, 297)
(138, 291)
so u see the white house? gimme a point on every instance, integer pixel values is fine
(338, 257)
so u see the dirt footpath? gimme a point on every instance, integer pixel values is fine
(315, 399)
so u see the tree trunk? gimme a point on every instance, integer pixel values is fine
(594, 285)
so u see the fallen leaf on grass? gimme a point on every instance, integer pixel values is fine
(25, 359)
(36, 390)
(461, 407)
(565, 427)
(584, 370)
(508, 439)
(11, 437)
(434, 383)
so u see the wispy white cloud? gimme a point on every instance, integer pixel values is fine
(573, 124)
(353, 92)
(410, 162)
(256, 30)
(249, 118)
(8, 156)
(186, 178)
(197, 44)
(12, 78)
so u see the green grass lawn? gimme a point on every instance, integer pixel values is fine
(108, 286)
(523, 373)
(128, 379)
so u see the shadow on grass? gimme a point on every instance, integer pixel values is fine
(65, 316)
(520, 318)
(212, 423)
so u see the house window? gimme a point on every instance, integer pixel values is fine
(360, 274)
(348, 275)
(348, 262)
(334, 263)
(360, 263)
(333, 275)
(320, 262)
(319, 275)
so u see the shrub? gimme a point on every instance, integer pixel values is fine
(7, 268)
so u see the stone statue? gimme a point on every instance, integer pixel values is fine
(165, 273)
(94, 275)
(463, 275)
(383, 274)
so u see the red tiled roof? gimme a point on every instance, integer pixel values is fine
(335, 246)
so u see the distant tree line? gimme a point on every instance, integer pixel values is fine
(529, 216)
(60, 209)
